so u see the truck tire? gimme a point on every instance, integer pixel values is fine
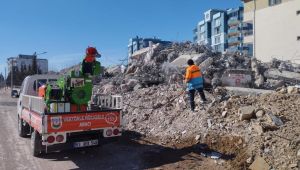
(23, 130)
(36, 144)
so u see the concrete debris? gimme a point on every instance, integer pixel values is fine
(247, 91)
(156, 105)
(285, 65)
(293, 165)
(293, 90)
(260, 113)
(274, 119)
(259, 164)
(258, 128)
(249, 160)
(224, 113)
(287, 76)
(246, 113)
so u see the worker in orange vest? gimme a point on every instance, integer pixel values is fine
(194, 81)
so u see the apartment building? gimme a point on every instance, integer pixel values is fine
(276, 29)
(236, 31)
(223, 31)
(24, 62)
(219, 29)
(203, 32)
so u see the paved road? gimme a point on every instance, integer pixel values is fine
(128, 153)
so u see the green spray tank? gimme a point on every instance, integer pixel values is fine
(76, 87)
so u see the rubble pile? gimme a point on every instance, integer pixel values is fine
(256, 124)
(160, 64)
(157, 65)
(268, 125)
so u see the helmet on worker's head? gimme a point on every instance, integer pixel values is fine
(190, 62)
(92, 51)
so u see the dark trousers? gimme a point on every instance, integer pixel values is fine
(192, 97)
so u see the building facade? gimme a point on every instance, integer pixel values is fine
(276, 29)
(25, 62)
(203, 32)
(138, 43)
(223, 31)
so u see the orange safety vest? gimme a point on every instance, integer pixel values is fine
(192, 72)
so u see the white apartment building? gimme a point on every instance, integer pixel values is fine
(276, 29)
(24, 62)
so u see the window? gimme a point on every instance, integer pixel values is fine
(274, 2)
(202, 28)
(217, 40)
(298, 12)
(202, 36)
(218, 22)
(298, 38)
(218, 48)
(207, 17)
(217, 30)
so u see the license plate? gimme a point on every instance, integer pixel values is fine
(85, 143)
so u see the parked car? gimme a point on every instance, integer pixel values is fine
(15, 93)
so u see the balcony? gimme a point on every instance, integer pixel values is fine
(233, 22)
(233, 49)
(234, 41)
(234, 31)
(195, 30)
(195, 38)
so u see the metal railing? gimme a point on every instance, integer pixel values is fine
(109, 101)
(33, 103)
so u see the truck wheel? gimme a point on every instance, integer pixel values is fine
(23, 130)
(36, 144)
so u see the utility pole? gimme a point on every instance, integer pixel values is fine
(11, 73)
(5, 78)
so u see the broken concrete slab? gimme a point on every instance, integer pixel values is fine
(259, 164)
(206, 63)
(114, 70)
(246, 113)
(181, 61)
(273, 84)
(132, 83)
(258, 128)
(293, 90)
(246, 91)
(287, 76)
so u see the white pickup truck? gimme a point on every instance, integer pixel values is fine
(65, 129)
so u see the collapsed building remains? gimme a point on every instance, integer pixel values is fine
(257, 118)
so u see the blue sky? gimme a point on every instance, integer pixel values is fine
(64, 28)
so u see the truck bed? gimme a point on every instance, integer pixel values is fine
(34, 114)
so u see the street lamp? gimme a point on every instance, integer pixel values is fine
(36, 64)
